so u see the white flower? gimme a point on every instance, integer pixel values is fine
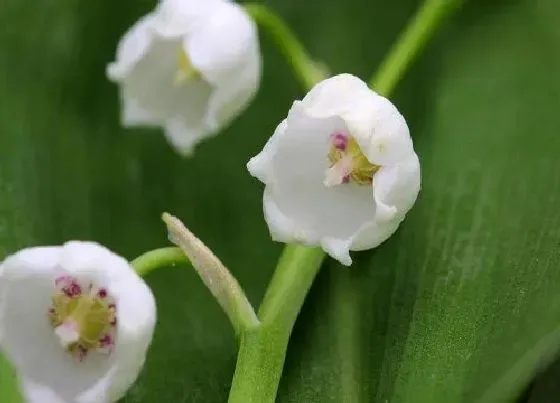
(75, 321)
(340, 171)
(190, 66)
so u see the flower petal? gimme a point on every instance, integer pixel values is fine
(28, 340)
(225, 44)
(151, 85)
(134, 115)
(335, 96)
(398, 186)
(282, 228)
(374, 233)
(177, 18)
(261, 164)
(183, 134)
(225, 50)
(381, 131)
(134, 45)
(338, 249)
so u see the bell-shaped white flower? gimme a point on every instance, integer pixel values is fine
(190, 67)
(340, 171)
(75, 321)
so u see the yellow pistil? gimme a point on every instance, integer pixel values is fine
(362, 171)
(186, 71)
(90, 314)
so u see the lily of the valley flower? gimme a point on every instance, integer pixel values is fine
(75, 321)
(340, 171)
(190, 67)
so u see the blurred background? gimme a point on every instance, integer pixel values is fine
(461, 305)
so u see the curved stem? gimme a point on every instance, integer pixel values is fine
(263, 350)
(307, 71)
(163, 257)
(410, 44)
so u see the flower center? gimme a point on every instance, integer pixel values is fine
(348, 163)
(83, 320)
(185, 71)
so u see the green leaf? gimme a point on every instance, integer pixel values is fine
(461, 305)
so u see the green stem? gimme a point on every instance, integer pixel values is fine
(263, 350)
(410, 44)
(306, 70)
(345, 308)
(162, 257)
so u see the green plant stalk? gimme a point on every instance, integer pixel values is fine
(262, 351)
(305, 68)
(411, 42)
(163, 257)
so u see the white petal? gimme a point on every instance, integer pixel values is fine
(372, 234)
(372, 120)
(132, 47)
(299, 166)
(282, 228)
(338, 249)
(225, 44)
(398, 186)
(134, 115)
(294, 165)
(184, 136)
(335, 96)
(137, 317)
(152, 86)
(296, 190)
(261, 164)
(28, 339)
(225, 50)
(381, 131)
(396, 189)
(38, 393)
(176, 18)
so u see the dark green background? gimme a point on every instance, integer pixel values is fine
(461, 305)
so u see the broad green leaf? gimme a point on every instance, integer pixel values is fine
(461, 305)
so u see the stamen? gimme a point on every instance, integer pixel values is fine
(186, 70)
(339, 172)
(348, 163)
(82, 321)
(67, 333)
(339, 141)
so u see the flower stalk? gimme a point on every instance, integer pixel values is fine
(263, 350)
(163, 257)
(307, 70)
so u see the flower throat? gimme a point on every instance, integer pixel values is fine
(348, 163)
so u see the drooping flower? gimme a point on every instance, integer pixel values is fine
(190, 67)
(340, 171)
(75, 321)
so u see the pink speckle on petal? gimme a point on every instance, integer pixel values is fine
(102, 293)
(346, 179)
